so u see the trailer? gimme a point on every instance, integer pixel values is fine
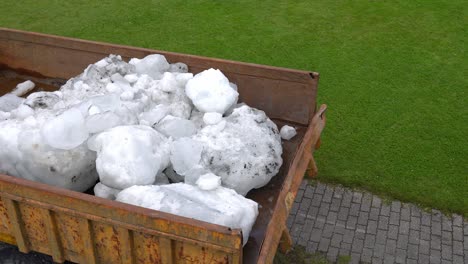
(82, 228)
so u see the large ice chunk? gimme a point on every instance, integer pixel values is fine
(65, 131)
(153, 65)
(105, 191)
(23, 88)
(72, 169)
(9, 102)
(210, 92)
(176, 127)
(287, 132)
(220, 206)
(129, 155)
(185, 154)
(244, 149)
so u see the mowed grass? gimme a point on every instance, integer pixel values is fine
(393, 73)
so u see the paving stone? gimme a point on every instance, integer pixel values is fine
(402, 241)
(376, 260)
(299, 195)
(446, 224)
(295, 208)
(415, 223)
(320, 222)
(309, 192)
(372, 227)
(400, 256)
(366, 202)
(312, 247)
(425, 233)
(374, 213)
(436, 228)
(320, 188)
(351, 223)
(415, 211)
(426, 219)
(343, 213)
(358, 245)
(357, 197)
(381, 237)
(457, 220)
(324, 244)
(389, 259)
(435, 242)
(376, 201)
(347, 198)
(424, 247)
(457, 233)
(328, 230)
(466, 229)
(305, 203)
(324, 209)
(346, 246)
(446, 238)
(355, 258)
(446, 252)
(394, 218)
(366, 255)
(316, 235)
(396, 206)
(383, 222)
(338, 193)
(335, 204)
(348, 236)
(392, 231)
(436, 215)
(458, 259)
(296, 229)
(385, 210)
(379, 250)
(423, 258)
(369, 241)
(327, 196)
(363, 218)
(404, 227)
(340, 227)
(405, 213)
(300, 218)
(390, 247)
(411, 261)
(312, 212)
(413, 251)
(413, 237)
(434, 256)
(317, 199)
(360, 232)
(336, 240)
(457, 248)
(354, 210)
(344, 252)
(331, 218)
(332, 254)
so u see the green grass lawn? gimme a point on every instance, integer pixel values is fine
(394, 73)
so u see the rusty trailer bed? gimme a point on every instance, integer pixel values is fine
(82, 228)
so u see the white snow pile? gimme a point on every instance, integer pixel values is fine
(152, 133)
